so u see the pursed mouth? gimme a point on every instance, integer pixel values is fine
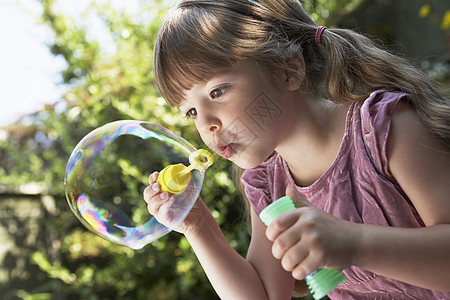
(224, 150)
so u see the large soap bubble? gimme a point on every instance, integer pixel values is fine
(108, 171)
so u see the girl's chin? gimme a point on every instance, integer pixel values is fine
(250, 162)
(245, 163)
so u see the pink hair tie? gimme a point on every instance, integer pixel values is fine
(319, 32)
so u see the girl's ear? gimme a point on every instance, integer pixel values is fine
(294, 75)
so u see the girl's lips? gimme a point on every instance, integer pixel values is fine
(224, 150)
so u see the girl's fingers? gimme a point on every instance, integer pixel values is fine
(153, 177)
(148, 193)
(280, 224)
(296, 197)
(284, 242)
(154, 197)
(166, 206)
(151, 190)
(294, 256)
(308, 266)
(160, 204)
(154, 203)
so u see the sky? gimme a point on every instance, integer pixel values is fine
(29, 73)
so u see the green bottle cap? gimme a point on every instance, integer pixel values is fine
(275, 209)
(323, 281)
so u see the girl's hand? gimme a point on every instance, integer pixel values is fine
(306, 239)
(160, 205)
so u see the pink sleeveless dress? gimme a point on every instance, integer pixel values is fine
(358, 187)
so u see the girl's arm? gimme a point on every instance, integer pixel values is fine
(421, 165)
(260, 277)
(307, 238)
(233, 277)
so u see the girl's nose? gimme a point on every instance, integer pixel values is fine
(214, 127)
(211, 124)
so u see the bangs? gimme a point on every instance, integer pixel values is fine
(195, 43)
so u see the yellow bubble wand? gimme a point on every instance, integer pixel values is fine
(175, 178)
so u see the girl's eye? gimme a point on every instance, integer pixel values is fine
(218, 92)
(191, 113)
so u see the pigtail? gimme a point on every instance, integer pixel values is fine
(356, 67)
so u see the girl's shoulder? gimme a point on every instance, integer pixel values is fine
(372, 121)
(265, 182)
(380, 103)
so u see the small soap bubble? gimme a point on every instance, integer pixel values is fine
(108, 171)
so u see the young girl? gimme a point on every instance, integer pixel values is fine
(369, 168)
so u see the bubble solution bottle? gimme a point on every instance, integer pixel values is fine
(320, 282)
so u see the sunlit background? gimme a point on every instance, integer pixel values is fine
(30, 74)
(69, 66)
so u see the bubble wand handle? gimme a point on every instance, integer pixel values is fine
(186, 170)
(320, 282)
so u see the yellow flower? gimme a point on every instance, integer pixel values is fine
(446, 20)
(424, 10)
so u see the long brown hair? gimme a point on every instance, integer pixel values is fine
(201, 37)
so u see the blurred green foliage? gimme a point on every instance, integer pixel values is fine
(329, 12)
(106, 86)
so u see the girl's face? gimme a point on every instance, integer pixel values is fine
(240, 113)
